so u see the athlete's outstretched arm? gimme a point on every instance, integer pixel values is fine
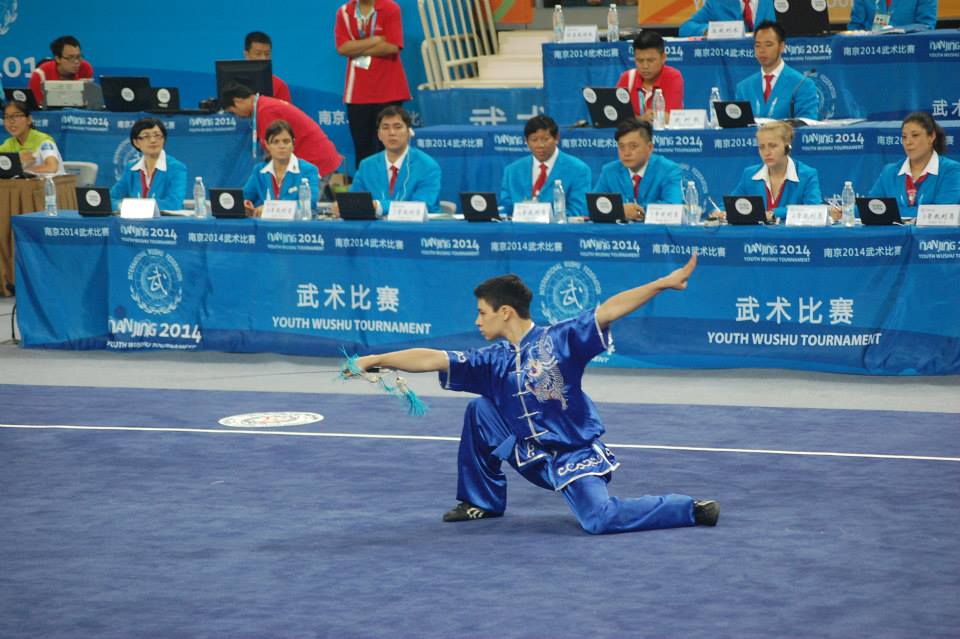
(630, 300)
(412, 360)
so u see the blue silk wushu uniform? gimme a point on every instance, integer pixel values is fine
(534, 414)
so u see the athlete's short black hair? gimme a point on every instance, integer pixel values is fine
(506, 290)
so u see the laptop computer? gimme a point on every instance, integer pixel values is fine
(356, 206)
(164, 99)
(479, 207)
(744, 209)
(227, 203)
(802, 17)
(94, 201)
(605, 208)
(10, 166)
(126, 93)
(608, 106)
(24, 95)
(878, 211)
(734, 115)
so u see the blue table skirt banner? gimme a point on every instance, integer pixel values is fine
(862, 300)
(473, 158)
(878, 77)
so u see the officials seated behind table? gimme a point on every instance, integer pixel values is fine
(280, 177)
(752, 12)
(156, 174)
(651, 72)
(67, 64)
(400, 172)
(258, 46)
(312, 144)
(532, 178)
(926, 176)
(778, 91)
(38, 152)
(780, 179)
(905, 14)
(640, 176)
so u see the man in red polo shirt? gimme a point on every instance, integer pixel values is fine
(310, 142)
(258, 46)
(652, 72)
(67, 64)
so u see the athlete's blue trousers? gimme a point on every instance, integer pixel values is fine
(482, 483)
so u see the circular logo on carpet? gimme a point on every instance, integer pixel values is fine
(271, 420)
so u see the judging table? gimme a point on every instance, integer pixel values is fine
(473, 158)
(26, 196)
(878, 77)
(861, 300)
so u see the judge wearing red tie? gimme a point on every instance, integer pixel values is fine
(652, 72)
(399, 172)
(752, 12)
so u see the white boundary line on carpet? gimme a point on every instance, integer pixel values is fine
(437, 438)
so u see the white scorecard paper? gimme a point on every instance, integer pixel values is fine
(279, 210)
(725, 30)
(663, 214)
(407, 212)
(938, 215)
(581, 33)
(688, 119)
(133, 208)
(807, 215)
(534, 212)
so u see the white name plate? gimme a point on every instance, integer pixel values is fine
(407, 212)
(133, 208)
(534, 212)
(581, 33)
(938, 215)
(807, 215)
(279, 210)
(663, 214)
(725, 30)
(688, 119)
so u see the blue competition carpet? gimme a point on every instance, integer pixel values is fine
(170, 525)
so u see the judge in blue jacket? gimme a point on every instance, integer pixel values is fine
(778, 91)
(752, 12)
(280, 178)
(533, 177)
(156, 174)
(639, 176)
(905, 14)
(779, 179)
(400, 172)
(926, 176)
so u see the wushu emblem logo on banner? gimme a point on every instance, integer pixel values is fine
(156, 281)
(8, 15)
(568, 289)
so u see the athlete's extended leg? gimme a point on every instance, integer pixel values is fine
(598, 513)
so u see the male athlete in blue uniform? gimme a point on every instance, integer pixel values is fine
(533, 413)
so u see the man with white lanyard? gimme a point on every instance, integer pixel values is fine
(369, 33)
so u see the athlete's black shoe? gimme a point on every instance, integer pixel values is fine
(706, 513)
(465, 511)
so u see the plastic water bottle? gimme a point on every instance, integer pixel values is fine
(199, 198)
(848, 200)
(559, 203)
(557, 23)
(659, 110)
(691, 200)
(49, 195)
(711, 112)
(303, 197)
(613, 24)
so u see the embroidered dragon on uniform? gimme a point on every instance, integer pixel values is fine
(544, 379)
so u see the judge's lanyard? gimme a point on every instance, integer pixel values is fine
(276, 186)
(361, 22)
(256, 98)
(145, 181)
(774, 203)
